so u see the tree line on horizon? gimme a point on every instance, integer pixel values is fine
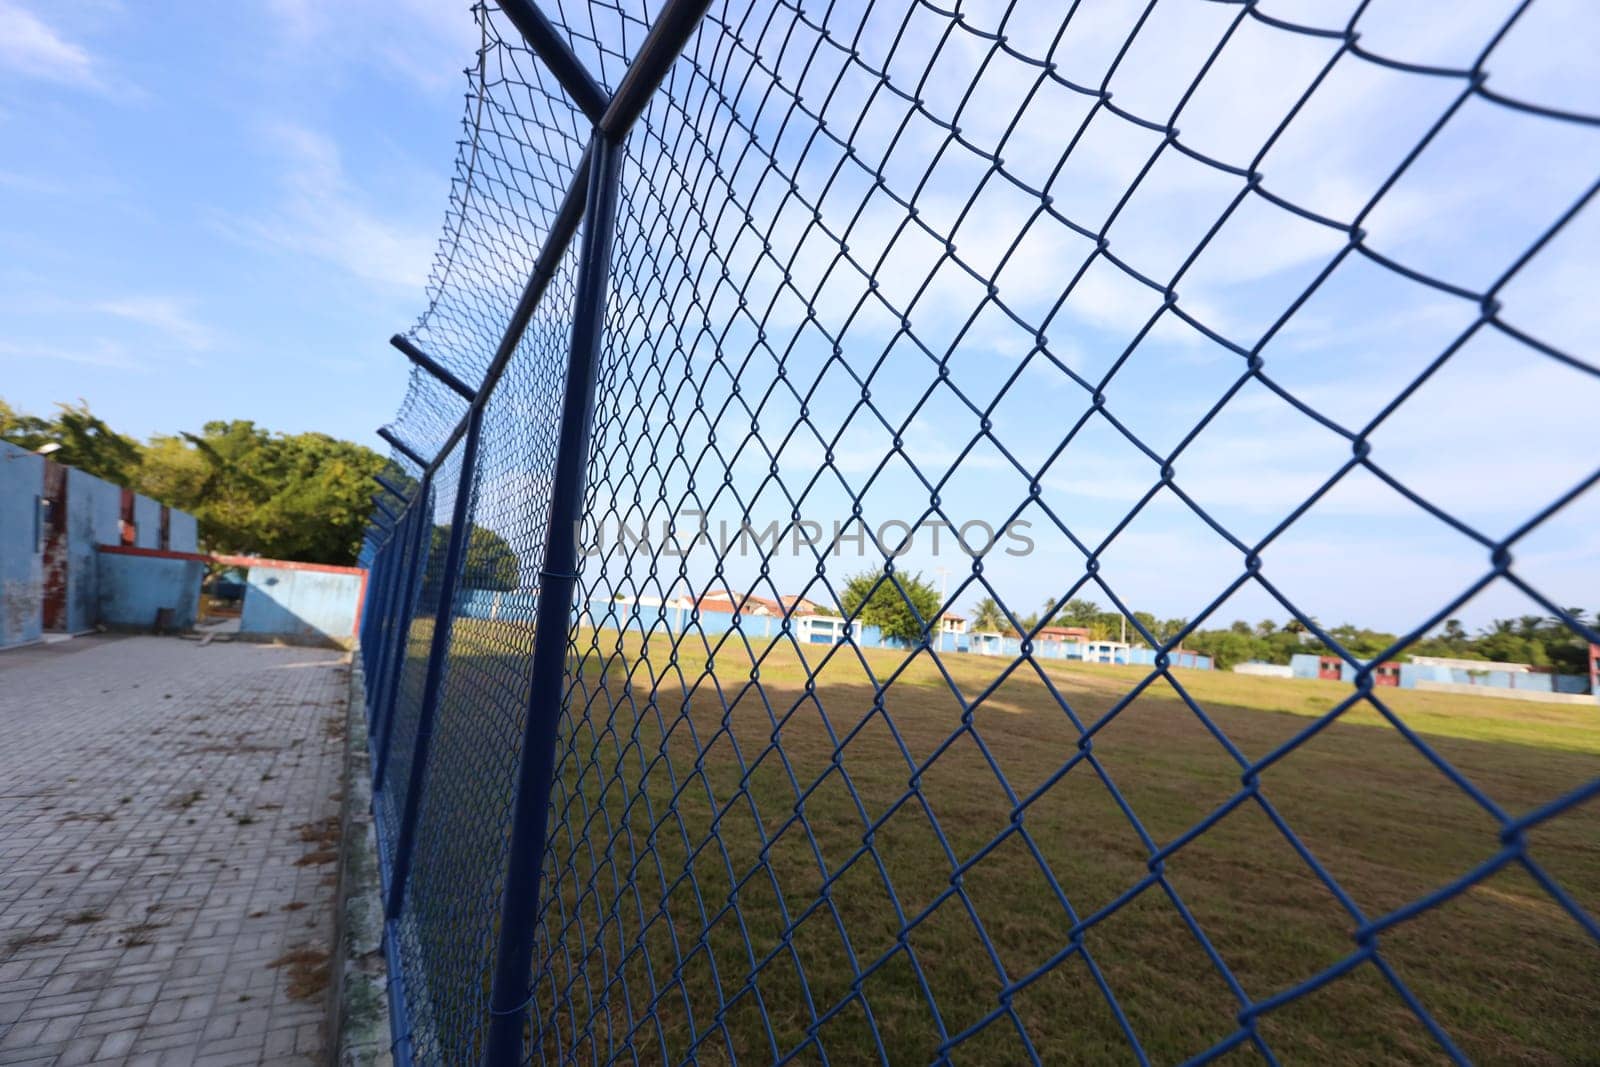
(901, 608)
(1540, 641)
(308, 497)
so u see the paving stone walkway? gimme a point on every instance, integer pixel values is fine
(168, 849)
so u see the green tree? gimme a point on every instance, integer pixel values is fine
(296, 496)
(1079, 612)
(1225, 647)
(890, 606)
(987, 616)
(84, 440)
(291, 496)
(25, 431)
(1170, 628)
(490, 564)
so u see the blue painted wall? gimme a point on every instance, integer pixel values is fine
(519, 604)
(310, 606)
(147, 517)
(184, 530)
(94, 510)
(21, 562)
(1526, 681)
(134, 588)
(1306, 664)
(93, 518)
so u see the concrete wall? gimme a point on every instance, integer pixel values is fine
(1428, 676)
(302, 604)
(134, 588)
(21, 564)
(185, 532)
(1265, 670)
(147, 517)
(1305, 665)
(520, 604)
(93, 513)
(94, 510)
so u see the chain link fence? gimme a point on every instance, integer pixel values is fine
(792, 379)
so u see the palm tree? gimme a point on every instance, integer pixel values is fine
(986, 615)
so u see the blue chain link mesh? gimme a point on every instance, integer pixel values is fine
(460, 868)
(1177, 286)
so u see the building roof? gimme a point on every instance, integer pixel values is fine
(1064, 632)
(798, 605)
(751, 604)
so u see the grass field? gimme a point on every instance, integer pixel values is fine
(710, 889)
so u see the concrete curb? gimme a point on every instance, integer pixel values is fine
(360, 1007)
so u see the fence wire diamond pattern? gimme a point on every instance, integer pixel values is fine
(1227, 306)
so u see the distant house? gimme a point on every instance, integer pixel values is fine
(799, 606)
(826, 629)
(1334, 669)
(728, 602)
(989, 643)
(1062, 635)
(1105, 652)
(951, 623)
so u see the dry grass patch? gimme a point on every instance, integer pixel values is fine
(307, 971)
(880, 846)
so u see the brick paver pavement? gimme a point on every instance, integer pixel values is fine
(168, 849)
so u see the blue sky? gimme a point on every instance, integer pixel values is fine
(221, 210)
(1491, 437)
(224, 213)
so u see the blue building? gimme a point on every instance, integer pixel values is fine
(52, 520)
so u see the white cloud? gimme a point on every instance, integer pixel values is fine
(31, 47)
(163, 314)
(96, 353)
(426, 41)
(322, 215)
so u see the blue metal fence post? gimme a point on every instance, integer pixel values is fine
(400, 548)
(405, 605)
(371, 606)
(377, 597)
(382, 604)
(400, 544)
(455, 555)
(557, 579)
(378, 585)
